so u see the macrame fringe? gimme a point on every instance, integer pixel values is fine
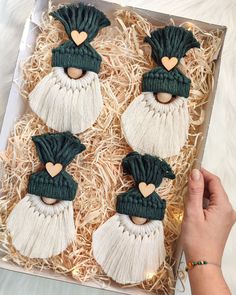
(127, 252)
(39, 230)
(155, 128)
(66, 104)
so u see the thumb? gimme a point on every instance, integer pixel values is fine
(194, 198)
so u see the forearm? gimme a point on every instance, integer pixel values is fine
(207, 280)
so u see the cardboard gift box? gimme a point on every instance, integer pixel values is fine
(17, 106)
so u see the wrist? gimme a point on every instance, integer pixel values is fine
(211, 258)
(207, 279)
(208, 271)
(192, 264)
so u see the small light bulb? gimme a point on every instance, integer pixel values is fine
(150, 275)
(179, 217)
(75, 272)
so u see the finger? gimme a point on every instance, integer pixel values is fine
(195, 193)
(214, 187)
(206, 197)
(206, 193)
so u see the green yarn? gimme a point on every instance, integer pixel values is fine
(148, 169)
(171, 41)
(81, 17)
(56, 148)
(132, 203)
(60, 187)
(160, 80)
(85, 18)
(82, 57)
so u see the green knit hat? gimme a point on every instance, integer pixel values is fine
(52, 149)
(145, 169)
(160, 80)
(168, 45)
(79, 19)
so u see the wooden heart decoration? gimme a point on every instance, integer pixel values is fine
(53, 169)
(78, 38)
(146, 189)
(169, 63)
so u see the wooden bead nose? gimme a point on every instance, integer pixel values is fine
(164, 97)
(74, 73)
(49, 201)
(138, 220)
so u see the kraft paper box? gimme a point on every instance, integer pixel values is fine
(17, 106)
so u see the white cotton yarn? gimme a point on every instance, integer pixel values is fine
(66, 104)
(155, 128)
(39, 230)
(128, 252)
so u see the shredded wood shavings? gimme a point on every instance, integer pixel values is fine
(98, 170)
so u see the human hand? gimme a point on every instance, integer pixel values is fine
(205, 231)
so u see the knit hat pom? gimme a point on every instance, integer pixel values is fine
(83, 18)
(57, 147)
(171, 41)
(149, 170)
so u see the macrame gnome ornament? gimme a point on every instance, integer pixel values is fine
(130, 245)
(42, 224)
(157, 121)
(69, 98)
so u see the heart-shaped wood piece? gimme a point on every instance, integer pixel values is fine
(53, 169)
(169, 63)
(78, 38)
(146, 189)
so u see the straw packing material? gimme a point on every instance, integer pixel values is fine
(125, 59)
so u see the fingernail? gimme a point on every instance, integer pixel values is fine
(195, 174)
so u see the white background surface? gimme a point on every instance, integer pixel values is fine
(220, 150)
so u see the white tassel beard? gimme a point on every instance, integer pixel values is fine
(127, 252)
(155, 128)
(66, 104)
(39, 230)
